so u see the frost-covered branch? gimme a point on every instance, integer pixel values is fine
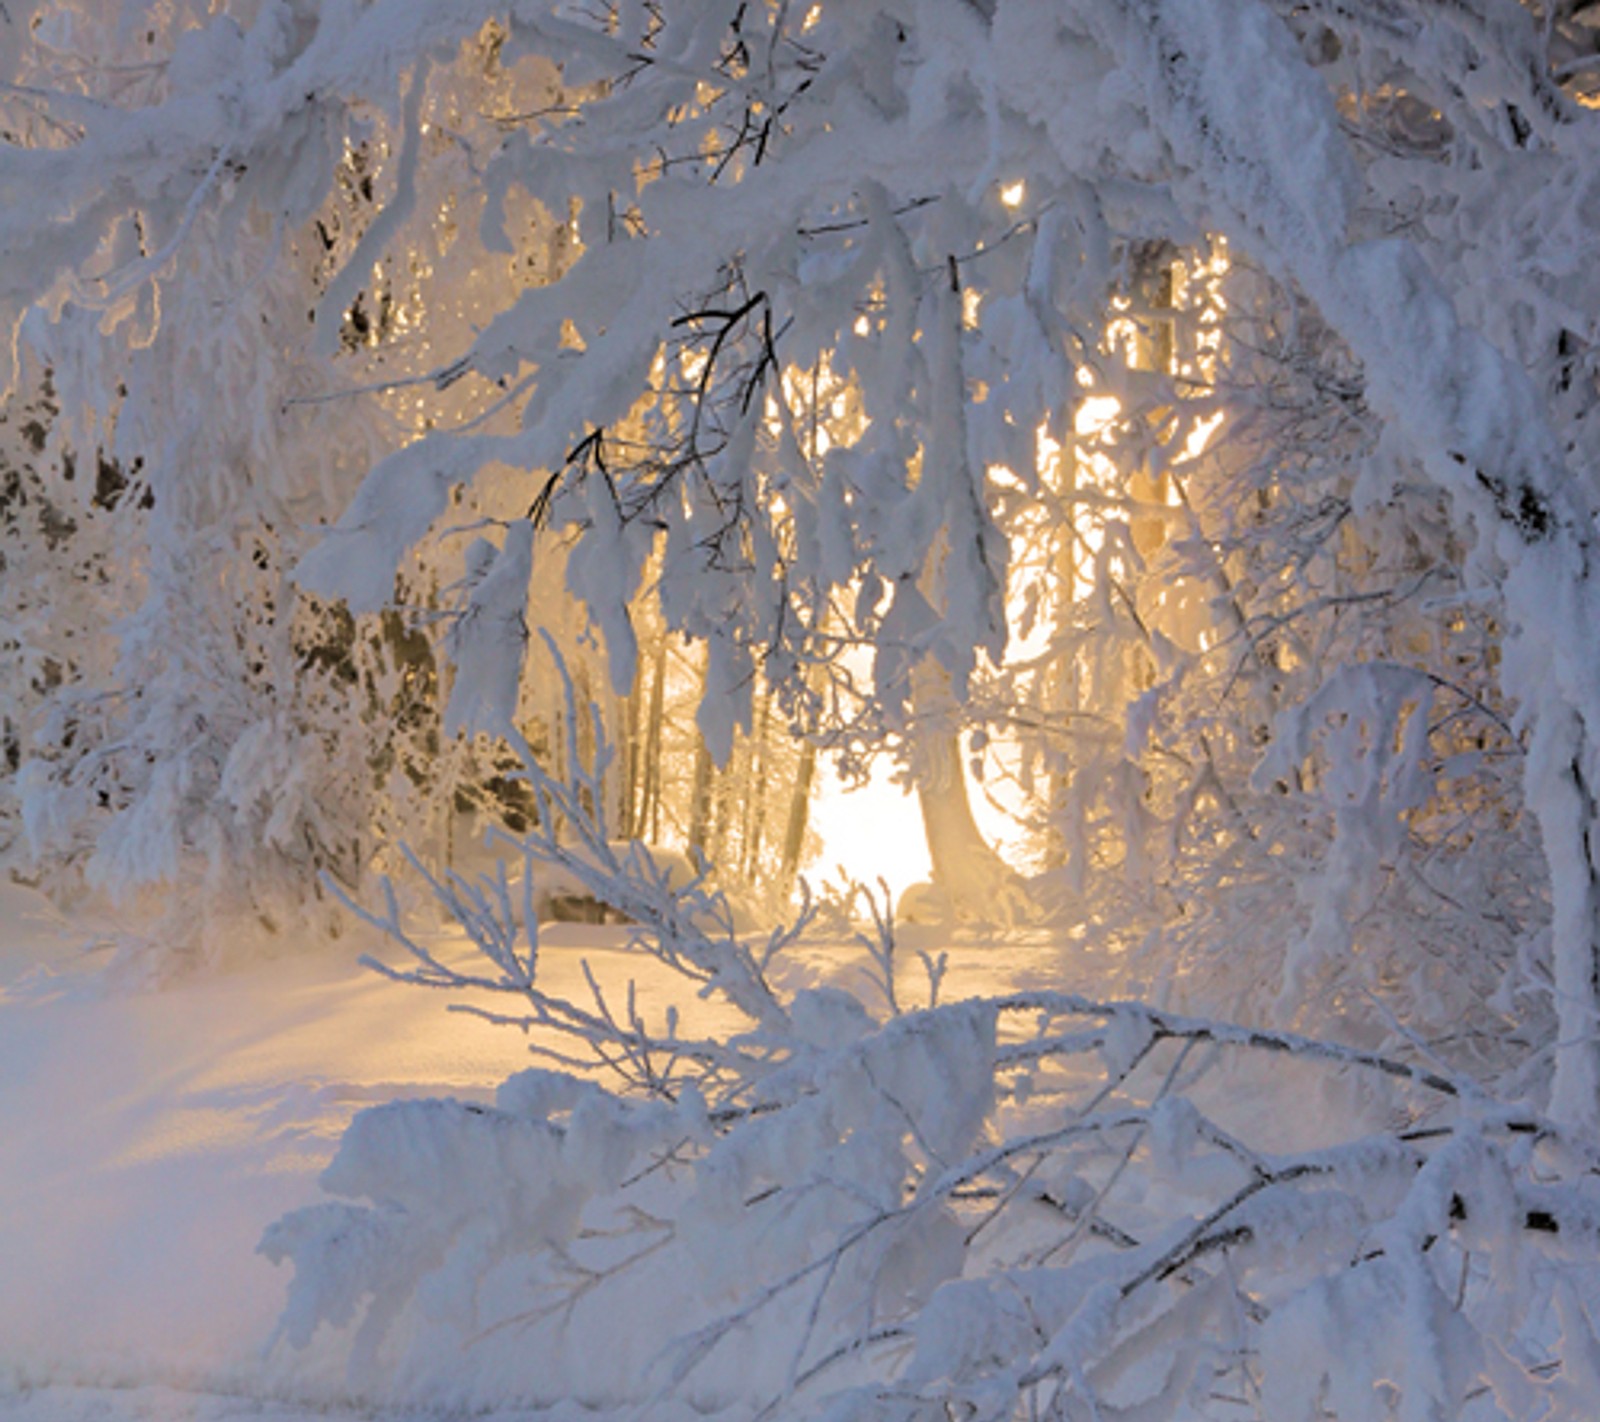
(871, 1196)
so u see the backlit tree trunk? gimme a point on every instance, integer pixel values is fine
(966, 869)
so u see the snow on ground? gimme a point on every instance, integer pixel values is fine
(147, 1138)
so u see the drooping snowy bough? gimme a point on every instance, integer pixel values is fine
(1027, 1205)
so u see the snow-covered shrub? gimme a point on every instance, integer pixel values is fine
(1026, 1204)
(58, 542)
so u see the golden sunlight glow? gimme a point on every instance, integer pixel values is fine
(1200, 438)
(1096, 415)
(1012, 194)
(692, 362)
(1058, 561)
(874, 831)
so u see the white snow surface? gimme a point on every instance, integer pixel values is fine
(147, 1138)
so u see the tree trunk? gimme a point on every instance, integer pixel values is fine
(1560, 794)
(975, 880)
(794, 831)
(700, 799)
(650, 809)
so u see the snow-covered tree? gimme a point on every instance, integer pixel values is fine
(1252, 418)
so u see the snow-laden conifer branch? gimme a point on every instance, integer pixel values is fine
(831, 1238)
